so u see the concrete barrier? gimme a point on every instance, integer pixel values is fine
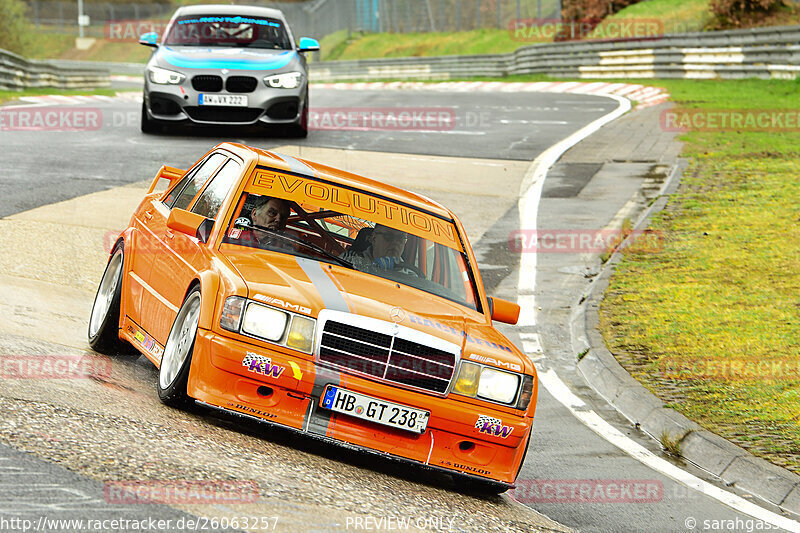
(17, 73)
(753, 53)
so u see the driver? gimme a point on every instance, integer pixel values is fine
(384, 252)
(272, 214)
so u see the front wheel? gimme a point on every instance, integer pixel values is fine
(148, 125)
(104, 320)
(300, 128)
(173, 373)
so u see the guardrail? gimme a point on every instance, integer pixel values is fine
(753, 53)
(18, 73)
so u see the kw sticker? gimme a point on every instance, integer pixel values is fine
(262, 365)
(493, 426)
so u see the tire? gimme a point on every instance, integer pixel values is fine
(148, 125)
(173, 373)
(103, 330)
(299, 129)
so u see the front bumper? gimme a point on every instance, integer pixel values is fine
(451, 441)
(265, 105)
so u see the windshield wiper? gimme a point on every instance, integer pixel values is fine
(310, 245)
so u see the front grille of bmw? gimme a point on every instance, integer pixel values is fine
(234, 84)
(384, 351)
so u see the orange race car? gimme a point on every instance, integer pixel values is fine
(344, 308)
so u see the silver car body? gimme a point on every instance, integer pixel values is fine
(188, 81)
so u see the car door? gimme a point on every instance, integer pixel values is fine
(150, 244)
(182, 258)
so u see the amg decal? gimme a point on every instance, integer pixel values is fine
(495, 362)
(282, 303)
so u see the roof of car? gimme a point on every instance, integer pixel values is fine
(228, 9)
(310, 168)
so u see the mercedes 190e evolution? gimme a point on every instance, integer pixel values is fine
(300, 295)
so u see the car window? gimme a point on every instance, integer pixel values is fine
(211, 199)
(195, 183)
(232, 31)
(423, 253)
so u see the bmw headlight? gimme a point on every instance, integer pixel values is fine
(478, 381)
(264, 322)
(287, 80)
(163, 76)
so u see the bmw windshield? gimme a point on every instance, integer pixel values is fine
(231, 31)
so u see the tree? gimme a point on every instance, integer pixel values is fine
(15, 26)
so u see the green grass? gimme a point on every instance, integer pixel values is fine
(721, 299)
(675, 16)
(485, 41)
(41, 45)
(6, 96)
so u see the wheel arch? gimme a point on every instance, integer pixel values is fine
(209, 283)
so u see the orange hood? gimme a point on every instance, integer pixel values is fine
(308, 286)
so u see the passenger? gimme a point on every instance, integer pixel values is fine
(384, 252)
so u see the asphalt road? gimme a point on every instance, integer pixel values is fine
(117, 429)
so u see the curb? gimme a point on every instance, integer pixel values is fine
(732, 464)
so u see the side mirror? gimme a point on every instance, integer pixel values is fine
(503, 310)
(307, 44)
(190, 223)
(167, 173)
(149, 39)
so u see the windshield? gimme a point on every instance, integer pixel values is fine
(220, 30)
(354, 229)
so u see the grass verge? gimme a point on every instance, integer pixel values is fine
(6, 96)
(710, 323)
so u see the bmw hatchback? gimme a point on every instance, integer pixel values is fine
(227, 65)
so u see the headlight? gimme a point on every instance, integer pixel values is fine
(289, 80)
(497, 385)
(479, 381)
(232, 313)
(526, 394)
(264, 322)
(163, 76)
(301, 334)
(467, 381)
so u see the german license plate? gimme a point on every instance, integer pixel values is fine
(232, 100)
(375, 410)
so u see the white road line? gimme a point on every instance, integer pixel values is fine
(559, 390)
(530, 195)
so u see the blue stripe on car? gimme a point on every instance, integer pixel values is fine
(253, 62)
